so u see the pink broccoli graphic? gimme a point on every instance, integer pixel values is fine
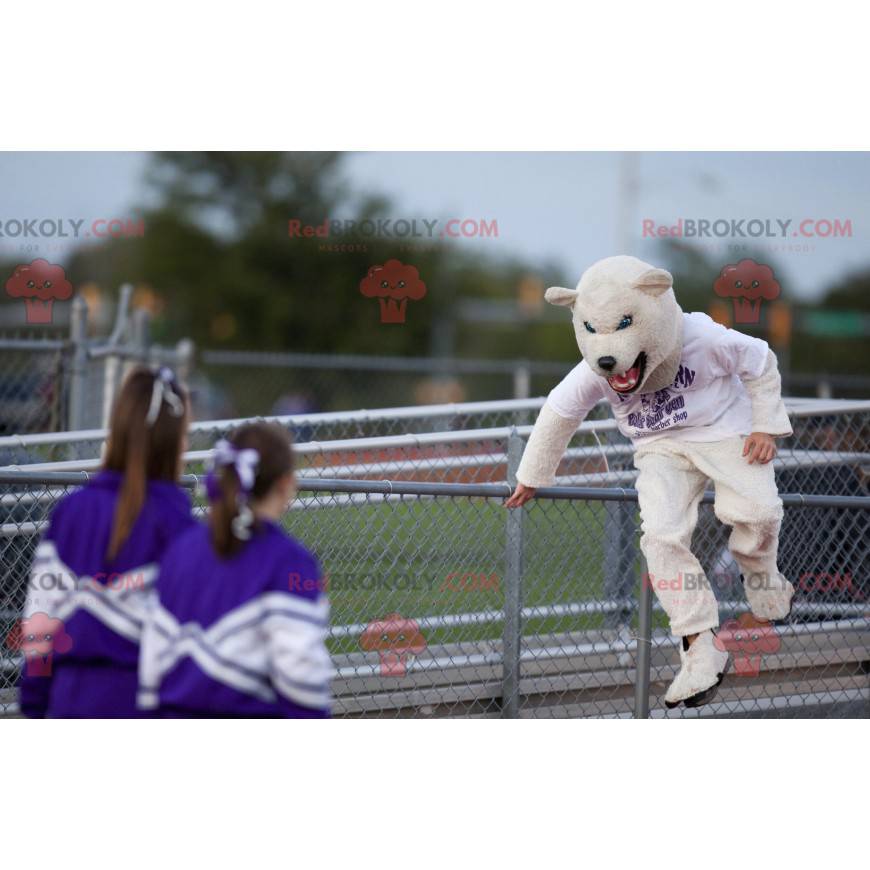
(748, 639)
(747, 282)
(393, 284)
(397, 641)
(38, 637)
(39, 283)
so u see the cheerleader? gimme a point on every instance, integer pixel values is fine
(239, 624)
(96, 562)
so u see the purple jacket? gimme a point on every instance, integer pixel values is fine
(244, 636)
(93, 608)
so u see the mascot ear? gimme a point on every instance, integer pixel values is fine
(560, 296)
(654, 281)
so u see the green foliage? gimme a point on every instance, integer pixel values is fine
(841, 355)
(694, 273)
(217, 251)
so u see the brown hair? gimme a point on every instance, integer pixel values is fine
(274, 446)
(139, 451)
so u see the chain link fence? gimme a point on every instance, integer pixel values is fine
(828, 454)
(53, 380)
(33, 383)
(464, 609)
(446, 604)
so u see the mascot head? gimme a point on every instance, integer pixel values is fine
(627, 322)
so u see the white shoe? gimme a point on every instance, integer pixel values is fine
(771, 599)
(701, 671)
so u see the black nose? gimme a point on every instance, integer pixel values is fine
(606, 362)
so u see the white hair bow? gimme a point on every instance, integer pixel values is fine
(163, 392)
(245, 462)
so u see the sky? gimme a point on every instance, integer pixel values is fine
(559, 208)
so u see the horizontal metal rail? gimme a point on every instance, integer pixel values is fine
(34, 344)
(797, 407)
(423, 412)
(561, 650)
(474, 490)
(624, 478)
(564, 650)
(787, 460)
(859, 612)
(433, 439)
(390, 490)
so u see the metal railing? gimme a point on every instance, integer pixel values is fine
(538, 612)
(380, 422)
(826, 454)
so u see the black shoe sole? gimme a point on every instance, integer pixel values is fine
(701, 698)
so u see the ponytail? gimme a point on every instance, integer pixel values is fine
(132, 494)
(244, 469)
(146, 438)
(225, 513)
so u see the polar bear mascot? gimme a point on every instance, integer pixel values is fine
(699, 402)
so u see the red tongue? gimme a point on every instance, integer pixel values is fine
(631, 374)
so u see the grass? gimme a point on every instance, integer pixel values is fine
(435, 556)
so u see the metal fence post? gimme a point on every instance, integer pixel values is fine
(620, 555)
(140, 338)
(184, 360)
(620, 547)
(643, 645)
(114, 361)
(522, 381)
(78, 333)
(513, 589)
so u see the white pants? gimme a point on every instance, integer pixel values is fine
(672, 479)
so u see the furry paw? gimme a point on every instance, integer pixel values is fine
(702, 667)
(771, 600)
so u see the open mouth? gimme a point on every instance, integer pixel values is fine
(630, 380)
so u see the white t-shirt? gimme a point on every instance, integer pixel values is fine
(706, 402)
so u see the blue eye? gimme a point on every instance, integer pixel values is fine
(625, 322)
(588, 327)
